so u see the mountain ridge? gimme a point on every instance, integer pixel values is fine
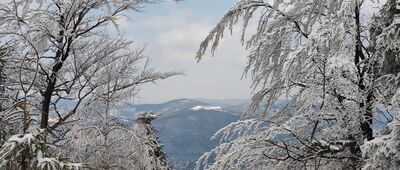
(185, 126)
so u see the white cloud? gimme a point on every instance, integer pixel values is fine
(177, 36)
(124, 23)
(181, 42)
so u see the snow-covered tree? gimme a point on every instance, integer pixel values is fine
(333, 65)
(104, 140)
(2, 76)
(5, 120)
(62, 50)
(117, 144)
(383, 151)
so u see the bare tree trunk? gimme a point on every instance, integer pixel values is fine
(361, 70)
(52, 80)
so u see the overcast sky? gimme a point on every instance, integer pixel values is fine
(172, 33)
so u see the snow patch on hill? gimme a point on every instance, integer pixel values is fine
(216, 108)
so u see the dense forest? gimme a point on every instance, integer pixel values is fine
(324, 75)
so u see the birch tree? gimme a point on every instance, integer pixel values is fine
(333, 69)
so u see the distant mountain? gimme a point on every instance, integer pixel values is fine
(225, 102)
(185, 126)
(232, 105)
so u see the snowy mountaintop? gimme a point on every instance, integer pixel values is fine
(216, 108)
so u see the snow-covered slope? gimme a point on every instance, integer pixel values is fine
(216, 108)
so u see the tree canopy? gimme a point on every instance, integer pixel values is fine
(335, 71)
